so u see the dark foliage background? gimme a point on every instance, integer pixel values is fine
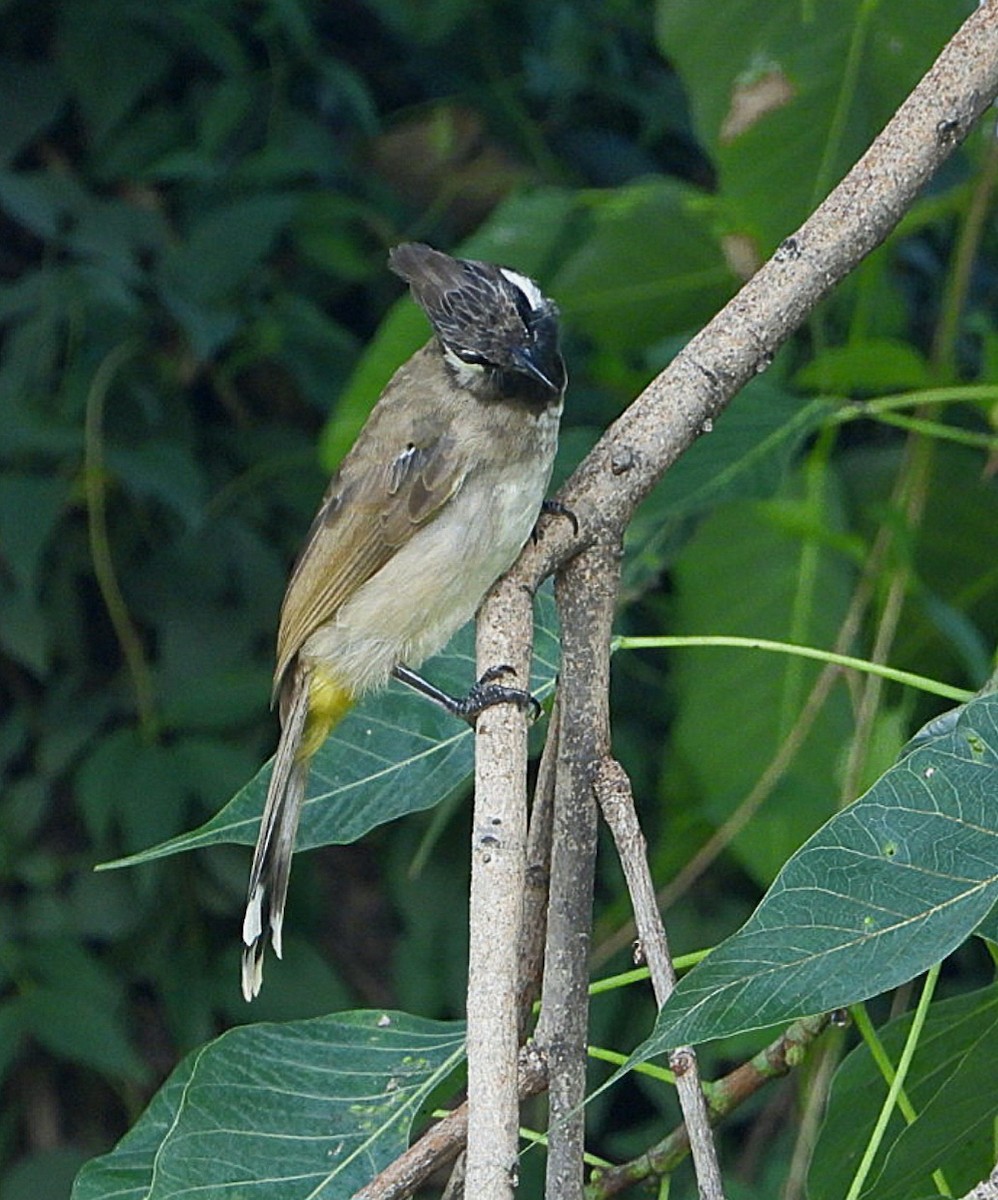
(196, 201)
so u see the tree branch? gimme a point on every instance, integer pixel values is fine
(498, 876)
(444, 1141)
(586, 591)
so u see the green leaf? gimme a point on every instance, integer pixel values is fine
(316, 350)
(869, 365)
(953, 600)
(117, 235)
(760, 570)
(42, 201)
(12, 1025)
(888, 887)
(31, 95)
(164, 471)
(30, 506)
(331, 233)
(132, 148)
(426, 25)
(224, 109)
(75, 1008)
(225, 245)
(42, 1173)
(216, 37)
(24, 633)
(201, 277)
(219, 698)
(282, 1112)
(394, 754)
(626, 290)
(953, 1088)
(786, 96)
(134, 783)
(110, 61)
(746, 456)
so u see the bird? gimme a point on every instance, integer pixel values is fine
(440, 491)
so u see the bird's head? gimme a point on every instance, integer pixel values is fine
(491, 321)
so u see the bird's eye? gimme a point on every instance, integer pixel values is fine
(470, 356)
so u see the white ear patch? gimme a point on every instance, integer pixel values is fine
(527, 286)
(465, 373)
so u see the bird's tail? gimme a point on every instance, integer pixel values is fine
(312, 704)
(268, 881)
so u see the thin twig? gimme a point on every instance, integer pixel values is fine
(616, 801)
(533, 930)
(725, 1095)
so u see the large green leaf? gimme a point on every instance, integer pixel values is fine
(953, 1087)
(393, 754)
(747, 456)
(888, 887)
(795, 92)
(282, 1112)
(760, 570)
(627, 290)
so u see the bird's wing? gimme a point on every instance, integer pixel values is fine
(385, 489)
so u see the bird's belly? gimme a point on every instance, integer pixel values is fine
(435, 582)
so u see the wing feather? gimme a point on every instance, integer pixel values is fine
(383, 492)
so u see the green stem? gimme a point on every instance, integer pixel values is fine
(847, 93)
(95, 490)
(894, 1091)
(860, 410)
(612, 982)
(616, 1059)
(861, 1019)
(908, 678)
(864, 1026)
(941, 432)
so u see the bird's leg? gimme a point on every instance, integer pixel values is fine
(484, 693)
(558, 508)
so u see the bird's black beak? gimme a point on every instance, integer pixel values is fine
(525, 360)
